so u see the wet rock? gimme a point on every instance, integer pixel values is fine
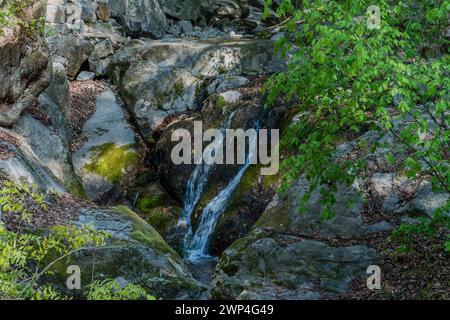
(173, 177)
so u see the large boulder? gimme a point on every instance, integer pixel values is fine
(18, 163)
(44, 128)
(166, 77)
(110, 152)
(135, 253)
(51, 150)
(295, 254)
(25, 68)
(75, 49)
(287, 254)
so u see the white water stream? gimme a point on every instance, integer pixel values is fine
(196, 243)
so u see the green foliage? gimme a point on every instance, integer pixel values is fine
(25, 256)
(13, 13)
(111, 290)
(346, 79)
(407, 235)
(13, 198)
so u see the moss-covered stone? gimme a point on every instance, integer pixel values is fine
(147, 203)
(163, 219)
(135, 252)
(111, 161)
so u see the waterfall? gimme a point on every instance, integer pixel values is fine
(196, 245)
(196, 185)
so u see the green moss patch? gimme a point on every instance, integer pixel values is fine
(162, 218)
(111, 161)
(146, 203)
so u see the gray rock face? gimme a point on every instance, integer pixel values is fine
(47, 132)
(85, 75)
(224, 83)
(75, 49)
(140, 17)
(210, 9)
(182, 9)
(226, 8)
(267, 268)
(423, 202)
(136, 253)
(110, 152)
(23, 166)
(167, 76)
(88, 8)
(58, 90)
(101, 57)
(51, 150)
(272, 262)
(25, 70)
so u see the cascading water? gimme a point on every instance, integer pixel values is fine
(196, 185)
(196, 244)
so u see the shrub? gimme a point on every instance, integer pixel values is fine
(347, 79)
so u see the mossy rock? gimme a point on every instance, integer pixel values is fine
(111, 161)
(136, 252)
(163, 219)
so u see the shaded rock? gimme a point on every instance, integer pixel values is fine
(273, 261)
(58, 90)
(25, 68)
(220, 9)
(101, 57)
(76, 50)
(182, 9)
(88, 11)
(21, 165)
(267, 268)
(224, 83)
(51, 150)
(173, 177)
(186, 26)
(85, 75)
(140, 17)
